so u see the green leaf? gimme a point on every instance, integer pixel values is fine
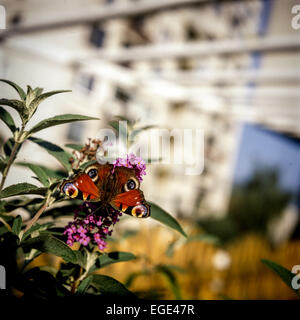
(50, 173)
(8, 147)
(37, 227)
(168, 274)
(285, 274)
(39, 172)
(64, 210)
(56, 151)
(41, 284)
(39, 99)
(110, 258)
(57, 120)
(22, 188)
(55, 174)
(18, 105)
(110, 287)
(114, 257)
(7, 119)
(20, 91)
(17, 225)
(84, 285)
(24, 202)
(208, 238)
(50, 244)
(128, 234)
(81, 258)
(29, 96)
(2, 165)
(76, 147)
(38, 91)
(164, 217)
(114, 125)
(86, 164)
(170, 248)
(174, 267)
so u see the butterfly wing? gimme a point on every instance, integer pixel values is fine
(133, 203)
(118, 187)
(129, 201)
(88, 185)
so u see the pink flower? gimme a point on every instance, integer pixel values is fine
(85, 240)
(91, 228)
(101, 244)
(70, 242)
(97, 237)
(105, 230)
(132, 161)
(81, 230)
(99, 222)
(76, 237)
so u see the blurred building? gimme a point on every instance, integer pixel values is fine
(172, 64)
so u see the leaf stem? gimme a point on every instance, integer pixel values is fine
(38, 214)
(13, 155)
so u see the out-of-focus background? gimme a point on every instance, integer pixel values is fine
(231, 68)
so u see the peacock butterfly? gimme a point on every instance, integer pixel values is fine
(118, 187)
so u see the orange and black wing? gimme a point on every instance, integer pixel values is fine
(133, 203)
(128, 198)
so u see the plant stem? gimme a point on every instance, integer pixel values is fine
(13, 155)
(11, 159)
(37, 215)
(77, 281)
(6, 224)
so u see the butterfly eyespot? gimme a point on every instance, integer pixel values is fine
(131, 184)
(93, 174)
(70, 190)
(140, 211)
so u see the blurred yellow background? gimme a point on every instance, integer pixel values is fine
(202, 270)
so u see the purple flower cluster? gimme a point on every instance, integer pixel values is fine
(91, 226)
(132, 161)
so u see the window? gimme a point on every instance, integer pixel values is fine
(97, 36)
(122, 95)
(85, 82)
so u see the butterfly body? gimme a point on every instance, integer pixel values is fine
(117, 187)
